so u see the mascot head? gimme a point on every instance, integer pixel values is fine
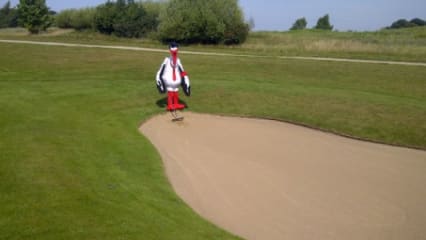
(173, 47)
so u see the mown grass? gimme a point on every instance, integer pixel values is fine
(72, 162)
(381, 103)
(74, 166)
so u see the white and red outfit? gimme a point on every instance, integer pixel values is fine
(170, 76)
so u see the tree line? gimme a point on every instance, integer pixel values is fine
(185, 21)
(324, 23)
(403, 23)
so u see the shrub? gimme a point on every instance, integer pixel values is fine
(124, 19)
(152, 14)
(105, 17)
(78, 19)
(63, 19)
(131, 23)
(199, 21)
(83, 18)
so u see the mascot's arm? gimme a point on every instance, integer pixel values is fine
(186, 86)
(159, 78)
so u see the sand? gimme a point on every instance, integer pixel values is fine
(263, 179)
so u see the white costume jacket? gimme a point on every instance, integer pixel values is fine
(170, 76)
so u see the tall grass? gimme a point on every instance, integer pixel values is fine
(390, 44)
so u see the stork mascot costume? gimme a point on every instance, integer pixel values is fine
(170, 76)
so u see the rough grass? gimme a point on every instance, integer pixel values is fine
(74, 36)
(402, 44)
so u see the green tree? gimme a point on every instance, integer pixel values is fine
(418, 22)
(300, 24)
(152, 14)
(122, 18)
(324, 23)
(34, 15)
(402, 23)
(131, 23)
(8, 16)
(200, 21)
(105, 17)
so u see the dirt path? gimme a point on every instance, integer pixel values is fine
(215, 53)
(264, 179)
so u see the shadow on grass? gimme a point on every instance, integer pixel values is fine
(162, 103)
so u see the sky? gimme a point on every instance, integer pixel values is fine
(279, 15)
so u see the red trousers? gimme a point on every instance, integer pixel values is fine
(173, 101)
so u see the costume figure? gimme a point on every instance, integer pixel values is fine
(170, 76)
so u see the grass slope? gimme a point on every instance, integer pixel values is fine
(74, 166)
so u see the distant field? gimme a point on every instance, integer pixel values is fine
(402, 44)
(397, 44)
(74, 166)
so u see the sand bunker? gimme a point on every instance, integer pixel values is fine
(263, 179)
